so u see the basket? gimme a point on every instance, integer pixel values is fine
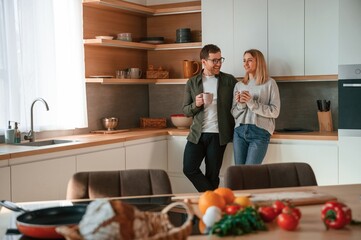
(156, 73)
(177, 233)
(159, 220)
(153, 122)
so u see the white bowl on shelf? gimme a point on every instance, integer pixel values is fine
(181, 121)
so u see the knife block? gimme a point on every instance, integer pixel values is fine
(325, 121)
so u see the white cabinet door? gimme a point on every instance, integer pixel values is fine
(350, 32)
(105, 160)
(321, 37)
(285, 37)
(217, 28)
(152, 155)
(5, 183)
(250, 30)
(349, 160)
(322, 156)
(43, 180)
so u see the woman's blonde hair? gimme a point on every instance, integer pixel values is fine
(261, 68)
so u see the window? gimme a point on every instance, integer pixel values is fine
(42, 55)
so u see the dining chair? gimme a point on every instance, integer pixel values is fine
(132, 182)
(272, 175)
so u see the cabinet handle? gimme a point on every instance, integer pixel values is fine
(351, 85)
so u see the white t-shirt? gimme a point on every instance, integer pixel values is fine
(210, 122)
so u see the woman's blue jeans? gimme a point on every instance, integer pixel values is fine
(250, 144)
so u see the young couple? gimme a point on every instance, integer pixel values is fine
(244, 111)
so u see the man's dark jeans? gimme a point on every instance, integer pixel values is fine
(208, 148)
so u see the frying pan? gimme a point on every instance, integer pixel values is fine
(41, 223)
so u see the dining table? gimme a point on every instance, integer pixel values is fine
(308, 199)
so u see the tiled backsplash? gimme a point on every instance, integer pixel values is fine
(298, 102)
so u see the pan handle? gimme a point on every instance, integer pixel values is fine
(12, 206)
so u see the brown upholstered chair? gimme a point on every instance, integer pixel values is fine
(274, 175)
(84, 185)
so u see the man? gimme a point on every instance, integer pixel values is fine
(213, 123)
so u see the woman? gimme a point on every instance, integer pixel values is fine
(256, 105)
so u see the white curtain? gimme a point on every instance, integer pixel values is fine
(42, 55)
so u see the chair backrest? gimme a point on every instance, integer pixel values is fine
(134, 182)
(274, 175)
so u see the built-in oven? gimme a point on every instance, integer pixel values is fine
(349, 123)
(349, 97)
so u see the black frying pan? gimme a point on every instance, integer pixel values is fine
(41, 223)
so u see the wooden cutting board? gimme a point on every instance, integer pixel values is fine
(296, 198)
(110, 132)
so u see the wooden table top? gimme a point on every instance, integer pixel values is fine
(310, 227)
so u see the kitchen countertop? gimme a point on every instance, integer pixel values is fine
(8, 151)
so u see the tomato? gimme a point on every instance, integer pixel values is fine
(293, 210)
(232, 209)
(278, 206)
(287, 221)
(268, 214)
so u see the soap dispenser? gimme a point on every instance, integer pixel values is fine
(10, 134)
(17, 133)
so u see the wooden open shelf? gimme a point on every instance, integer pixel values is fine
(184, 80)
(142, 46)
(166, 9)
(135, 81)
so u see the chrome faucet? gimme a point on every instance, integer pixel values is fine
(31, 135)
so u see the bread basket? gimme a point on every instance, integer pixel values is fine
(161, 227)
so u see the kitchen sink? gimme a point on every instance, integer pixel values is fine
(46, 142)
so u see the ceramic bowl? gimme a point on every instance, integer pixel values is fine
(181, 121)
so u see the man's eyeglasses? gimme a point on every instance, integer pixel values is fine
(215, 60)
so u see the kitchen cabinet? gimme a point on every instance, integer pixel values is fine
(321, 37)
(286, 37)
(104, 160)
(217, 28)
(5, 186)
(42, 180)
(350, 32)
(146, 153)
(299, 38)
(104, 57)
(349, 159)
(322, 156)
(249, 31)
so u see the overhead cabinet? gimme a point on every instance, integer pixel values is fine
(299, 38)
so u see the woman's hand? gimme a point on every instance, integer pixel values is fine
(243, 97)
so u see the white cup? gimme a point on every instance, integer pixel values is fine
(207, 98)
(124, 37)
(135, 72)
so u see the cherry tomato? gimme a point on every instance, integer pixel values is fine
(293, 210)
(232, 209)
(278, 206)
(287, 221)
(268, 214)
